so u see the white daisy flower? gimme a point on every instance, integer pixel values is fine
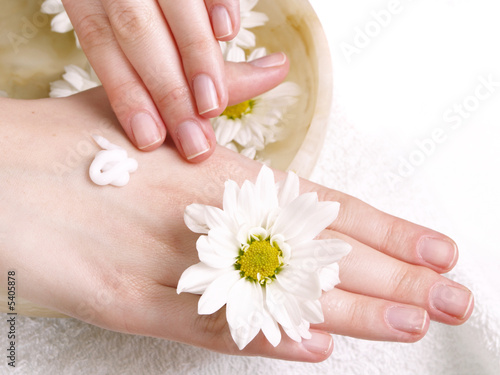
(259, 258)
(61, 22)
(74, 81)
(256, 122)
(245, 39)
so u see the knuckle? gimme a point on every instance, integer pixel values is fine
(198, 46)
(94, 30)
(393, 235)
(356, 314)
(408, 280)
(174, 97)
(130, 23)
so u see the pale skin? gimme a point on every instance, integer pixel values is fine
(167, 53)
(113, 256)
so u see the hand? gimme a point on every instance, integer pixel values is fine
(161, 65)
(113, 256)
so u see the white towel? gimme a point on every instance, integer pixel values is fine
(350, 163)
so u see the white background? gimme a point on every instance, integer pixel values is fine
(400, 81)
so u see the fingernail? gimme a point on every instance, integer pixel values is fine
(192, 139)
(221, 22)
(269, 61)
(145, 130)
(319, 343)
(205, 94)
(452, 301)
(440, 253)
(407, 319)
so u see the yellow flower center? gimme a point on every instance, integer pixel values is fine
(237, 111)
(260, 262)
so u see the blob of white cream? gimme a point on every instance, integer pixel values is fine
(111, 166)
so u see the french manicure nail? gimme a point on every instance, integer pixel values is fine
(407, 319)
(270, 61)
(145, 130)
(440, 253)
(221, 22)
(205, 94)
(319, 343)
(452, 301)
(192, 139)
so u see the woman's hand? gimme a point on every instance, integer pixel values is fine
(113, 256)
(161, 65)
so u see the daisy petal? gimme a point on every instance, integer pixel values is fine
(230, 199)
(288, 189)
(312, 311)
(216, 294)
(61, 23)
(266, 191)
(211, 255)
(194, 218)
(270, 329)
(244, 312)
(282, 306)
(319, 253)
(303, 284)
(329, 277)
(324, 215)
(198, 277)
(292, 217)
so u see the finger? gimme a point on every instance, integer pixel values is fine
(247, 80)
(143, 35)
(391, 235)
(369, 318)
(369, 272)
(200, 54)
(225, 18)
(128, 95)
(160, 312)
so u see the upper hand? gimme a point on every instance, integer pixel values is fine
(161, 65)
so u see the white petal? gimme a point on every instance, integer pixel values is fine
(266, 191)
(235, 53)
(200, 218)
(282, 306)
(324, 215)
(230, 199)
(208, 254)
(271, 329)
(245, 39)
(257, 53)
(247, 5)
(299, 282)
(224, 242)
(61, 89)
(292, 217)
(61, 23)
(319, 253)
(255, 19)
(288, 189)
(329, 277)
(248, 205)
(196, 278)
(216, 294)
(194, 217)
(52, 7)
(244, 312)
(312, 311)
